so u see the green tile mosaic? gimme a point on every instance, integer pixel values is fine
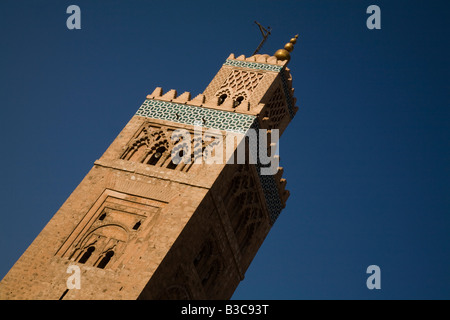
(252, 65)
(187, 114)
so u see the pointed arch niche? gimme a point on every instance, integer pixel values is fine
(244, 206)
(110, 228)
(153, 146)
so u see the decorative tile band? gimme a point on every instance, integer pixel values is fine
(253, 65)
(187, 114)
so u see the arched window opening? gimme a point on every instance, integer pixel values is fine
(137, 151)
(87, 255)
(221, 99)
(172, 165)
(137, 225)
(102, 264)
(156, 156)
(205, 252)
(245, 224)
(238, 101)
(210, 276)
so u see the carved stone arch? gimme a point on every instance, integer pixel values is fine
(245, 223)
(209, 263)
(245, 94)
(240, 99)
(104, 239)
(186, 160)
(235, 203)
(201, 147)
(138, 149)
(146, 142)
(212, 145)
(234, 185)
(108, 231)
(182, 154)
(243, 205)
(222, 91)
(105, 258)
(242, 180)
(209, 279)
(197, 149)
(223, 95)
(116, 230)
(206, 251)
(160, 136)
(82, 247)
(159, 152)
(181, 143)
(161, 143)
(156, 135)
(202, 258)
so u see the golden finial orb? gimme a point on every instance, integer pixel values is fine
(284, 54)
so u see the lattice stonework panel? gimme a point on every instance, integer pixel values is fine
(242, 80)
(277, 108)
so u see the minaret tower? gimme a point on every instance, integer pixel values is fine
(142, 225)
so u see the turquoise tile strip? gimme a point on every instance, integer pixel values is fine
(193, 115)
(253, 65)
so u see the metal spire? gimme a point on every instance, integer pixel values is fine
(265, 33)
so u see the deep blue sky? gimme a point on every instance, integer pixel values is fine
(366, 157)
